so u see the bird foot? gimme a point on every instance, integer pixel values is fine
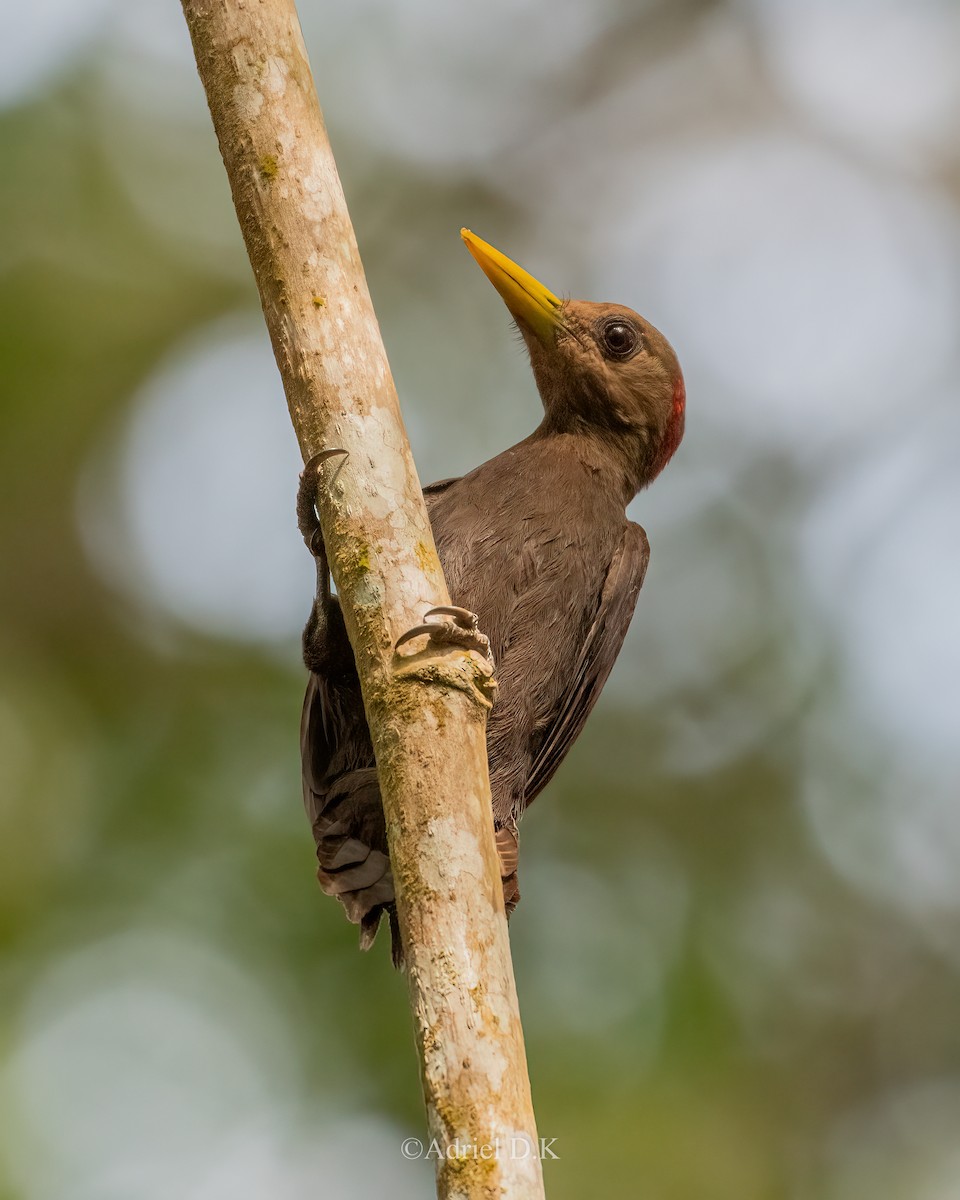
(461, 628)
(307, 518)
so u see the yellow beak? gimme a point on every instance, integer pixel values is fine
(533, 306)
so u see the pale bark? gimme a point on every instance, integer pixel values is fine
(426, 711)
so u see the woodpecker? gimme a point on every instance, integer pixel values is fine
(537, 552)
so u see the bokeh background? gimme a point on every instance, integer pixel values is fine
(739, 948)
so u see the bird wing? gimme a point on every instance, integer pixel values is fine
(618, 598)
(432, 490)
(344, 807)
(318, 743)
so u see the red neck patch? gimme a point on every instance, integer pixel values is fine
(673, 434)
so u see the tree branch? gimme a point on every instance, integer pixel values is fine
(427, 713)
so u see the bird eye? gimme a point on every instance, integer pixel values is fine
(620, 340)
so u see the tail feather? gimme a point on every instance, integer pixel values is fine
(343, 803)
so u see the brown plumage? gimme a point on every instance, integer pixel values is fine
(537, 544)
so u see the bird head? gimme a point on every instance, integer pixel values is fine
(600, 368)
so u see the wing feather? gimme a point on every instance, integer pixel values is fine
(601, 646)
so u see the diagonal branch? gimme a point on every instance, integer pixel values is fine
(427, 714)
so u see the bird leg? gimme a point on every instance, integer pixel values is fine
(320, 643)
(461, 628)
(307, 518)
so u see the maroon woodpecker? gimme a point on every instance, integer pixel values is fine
(536, 548)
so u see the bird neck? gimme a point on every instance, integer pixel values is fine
(602, 454)
(673, 434)
(631, 455)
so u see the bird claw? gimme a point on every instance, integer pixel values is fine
(307, 518)
(460, 629)
(463, 617)
(315, 543)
